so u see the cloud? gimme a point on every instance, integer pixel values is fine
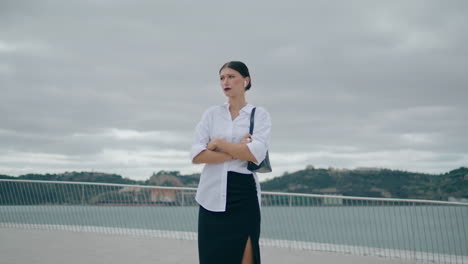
(140, 163)
(110, 84)
(6, 47)
(6, 69)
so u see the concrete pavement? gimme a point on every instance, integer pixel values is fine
(30, 246)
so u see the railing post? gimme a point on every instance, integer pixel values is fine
(82, 194)
(413, 228)
(183, 198)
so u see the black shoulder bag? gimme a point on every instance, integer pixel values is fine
(265, 165)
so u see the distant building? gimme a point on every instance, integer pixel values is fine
(337, 169)
(164, 195)
(368, 169)
(333, 200)
(133, 189)
(460, 200)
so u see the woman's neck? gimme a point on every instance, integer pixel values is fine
(236, 104)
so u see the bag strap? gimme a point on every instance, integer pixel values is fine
(252, 117)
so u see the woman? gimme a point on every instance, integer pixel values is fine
(228, 193)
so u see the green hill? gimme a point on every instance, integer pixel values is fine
(373, 183)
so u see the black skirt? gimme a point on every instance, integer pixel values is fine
(222, 236)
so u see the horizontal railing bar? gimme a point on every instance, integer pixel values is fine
(263, 192)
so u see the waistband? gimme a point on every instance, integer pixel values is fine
(239, 174)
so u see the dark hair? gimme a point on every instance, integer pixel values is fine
(241, 68)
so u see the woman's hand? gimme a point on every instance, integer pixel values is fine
(213, 144)
(246, 139)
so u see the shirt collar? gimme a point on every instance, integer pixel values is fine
(247, 108)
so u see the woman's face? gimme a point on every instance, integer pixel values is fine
(232, 82)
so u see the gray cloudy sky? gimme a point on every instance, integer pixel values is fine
(118, 86)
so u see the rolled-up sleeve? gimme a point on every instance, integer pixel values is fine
(201, 137)
(261, 135)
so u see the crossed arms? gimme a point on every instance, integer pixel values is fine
(219, 150)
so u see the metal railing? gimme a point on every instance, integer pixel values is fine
(414, 230)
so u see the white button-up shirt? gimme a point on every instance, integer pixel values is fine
(216, 122)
